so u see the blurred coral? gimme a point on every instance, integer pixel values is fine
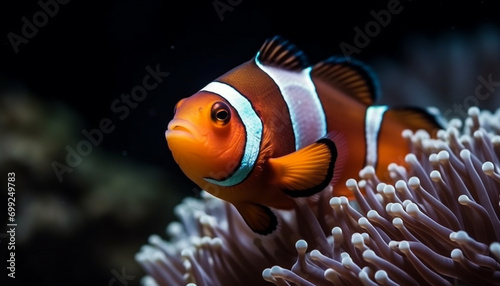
(33, 133)
(444, 71)
(106, 196)
(437, 223)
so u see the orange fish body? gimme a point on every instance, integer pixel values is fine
(275, 128)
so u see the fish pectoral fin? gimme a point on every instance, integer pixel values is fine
(350, 76)
(310, 169)
(259, 218)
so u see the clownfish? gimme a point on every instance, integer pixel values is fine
(276, 128)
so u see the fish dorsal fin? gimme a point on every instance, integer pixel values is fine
(350, 76)
(281, 53)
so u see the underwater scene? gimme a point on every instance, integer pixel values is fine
(237, 142)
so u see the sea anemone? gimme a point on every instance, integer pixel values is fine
(437, 223)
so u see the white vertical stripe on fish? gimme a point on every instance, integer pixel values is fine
(306, 112)
(373, 121)
(253, 129)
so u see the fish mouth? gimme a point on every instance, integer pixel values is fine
(182, 128)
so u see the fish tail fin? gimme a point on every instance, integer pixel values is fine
(415, 118)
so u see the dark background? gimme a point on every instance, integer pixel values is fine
(91, 52)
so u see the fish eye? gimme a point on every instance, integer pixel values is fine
(220, 113)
